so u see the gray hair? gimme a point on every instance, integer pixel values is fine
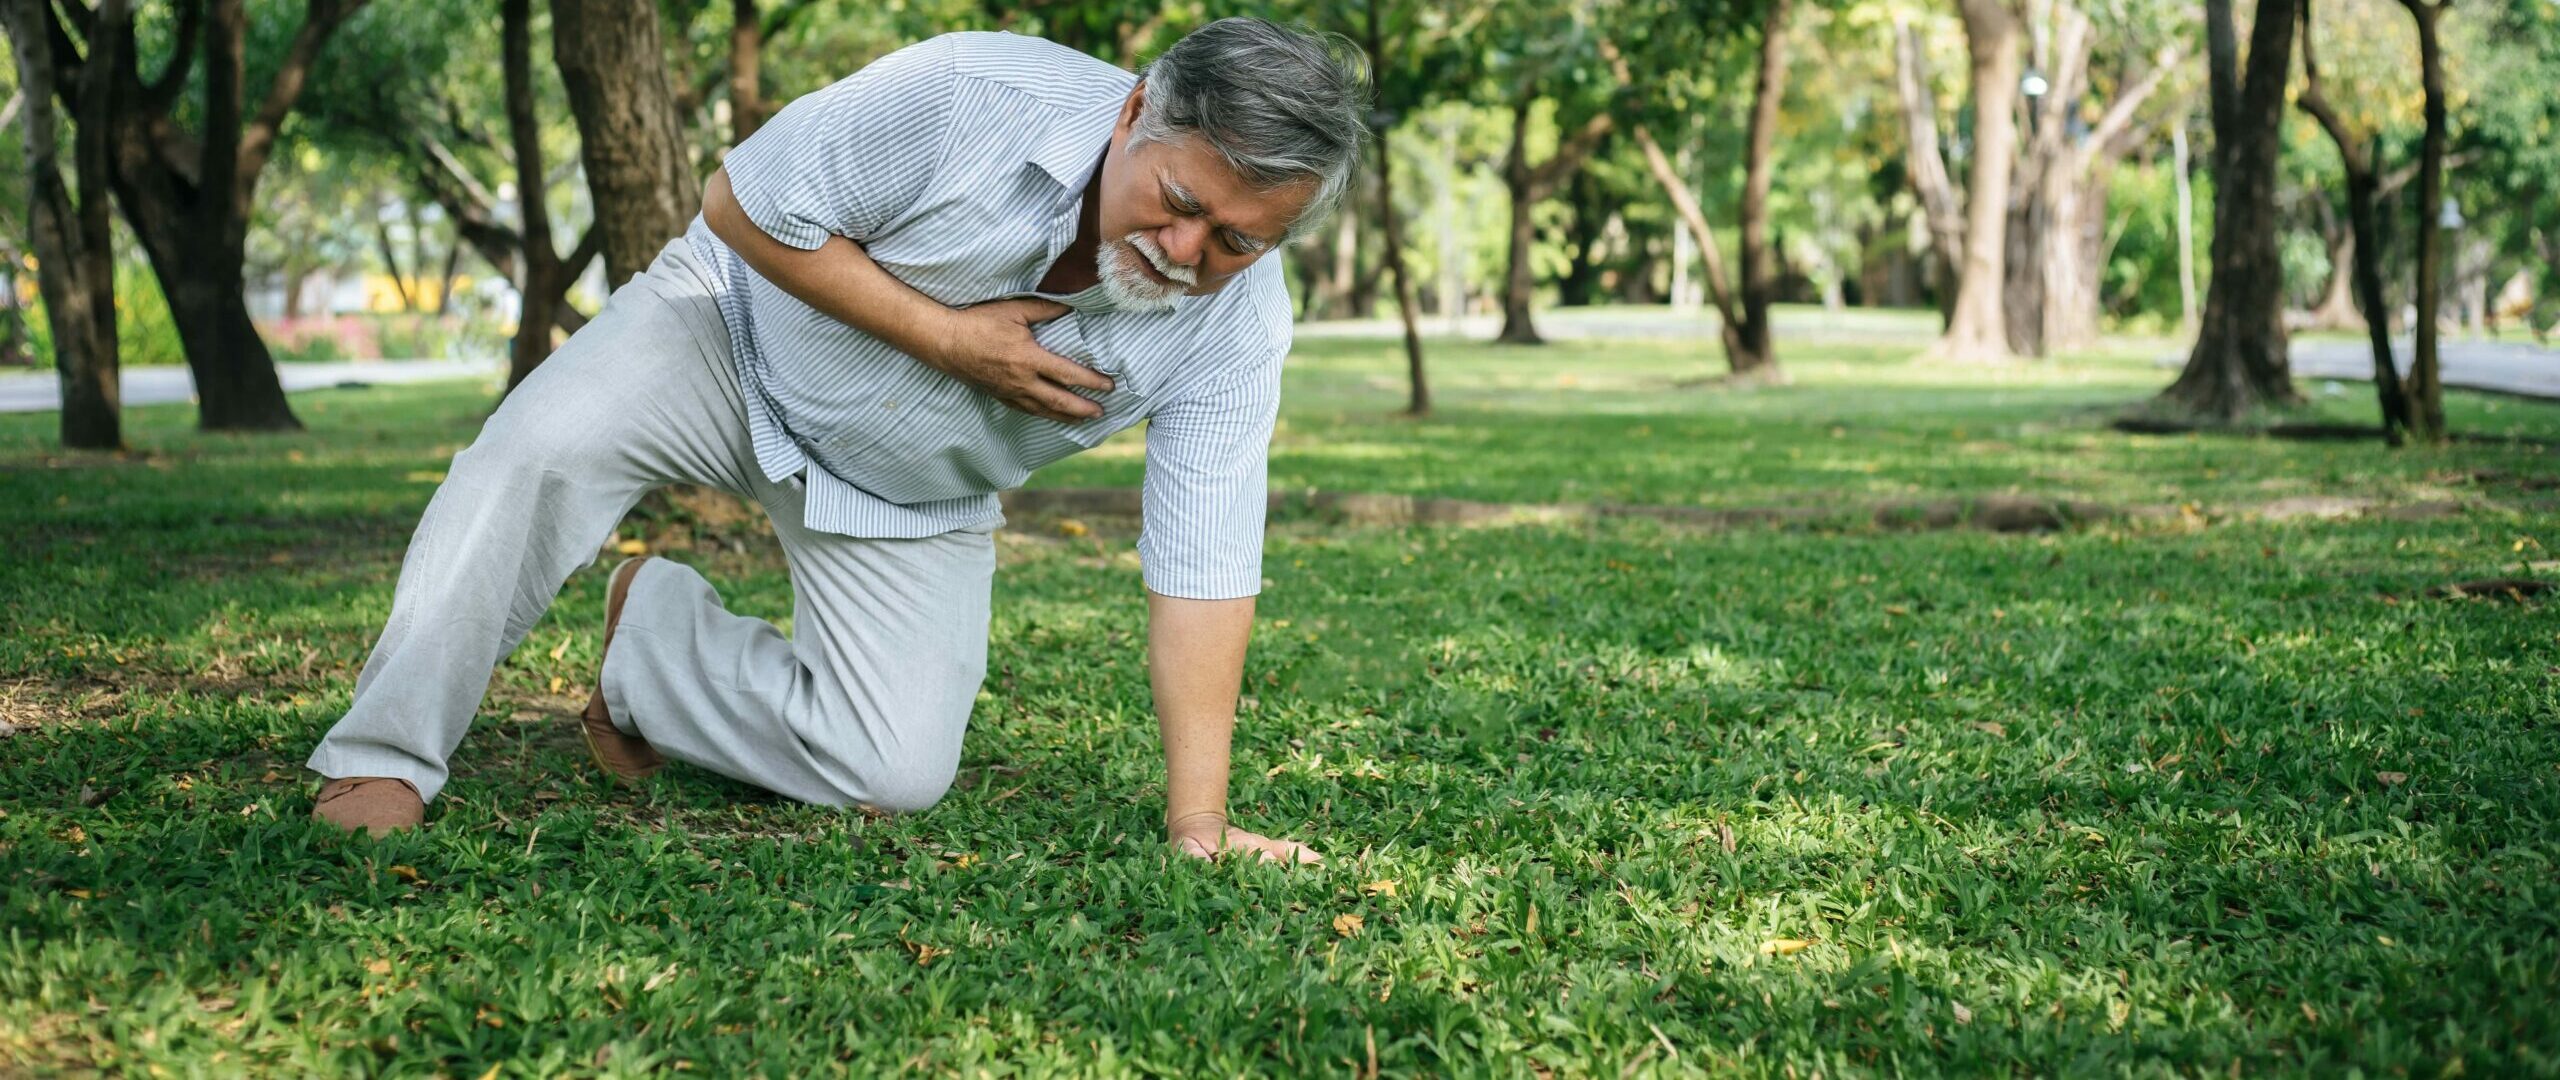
(1282, 105)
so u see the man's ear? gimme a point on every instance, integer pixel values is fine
(1129, 109)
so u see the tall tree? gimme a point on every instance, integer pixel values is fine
(68, 221)
(1537, 182)
(1977, 329)
(1756, 357)
(2364, 246)
(543, 277)
(2239, 362)
(1743, 312)
(2057, 228)
(2426, 388)
(1924, 165)
(416, 88)
(613, 63)
(189, 194)
(1390, 222)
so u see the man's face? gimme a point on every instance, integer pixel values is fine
(1176, 219)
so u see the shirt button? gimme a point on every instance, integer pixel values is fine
(888, 404)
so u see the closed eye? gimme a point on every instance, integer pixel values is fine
(1181, 204)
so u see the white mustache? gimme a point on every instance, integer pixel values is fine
(1155, 256)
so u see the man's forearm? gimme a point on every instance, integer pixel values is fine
(838, 279)
(1195, 661)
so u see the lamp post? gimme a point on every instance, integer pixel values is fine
(2451, 221)
(2034, 85)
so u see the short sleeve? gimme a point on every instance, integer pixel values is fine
(850, 159)
(1205, 490)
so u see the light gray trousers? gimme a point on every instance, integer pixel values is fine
(865, 704)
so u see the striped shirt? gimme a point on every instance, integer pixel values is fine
(959, 164)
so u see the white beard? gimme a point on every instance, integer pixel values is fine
(1126, 283)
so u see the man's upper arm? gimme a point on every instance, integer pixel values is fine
(1205, 490)
(848, 160)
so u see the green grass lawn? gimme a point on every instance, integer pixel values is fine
(1609, 800)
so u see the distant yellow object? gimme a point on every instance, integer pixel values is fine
(382, 292)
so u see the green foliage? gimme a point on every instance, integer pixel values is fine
(2184, 799)
(146, 336)
(2139, 287)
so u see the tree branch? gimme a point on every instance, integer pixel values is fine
(1569, 155)
(2117, 121)
(66, 54)
(319, 20)
(589, 246)
(1922, 160)
(160, 95)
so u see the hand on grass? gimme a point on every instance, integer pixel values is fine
(991, 348)
(1206, 836)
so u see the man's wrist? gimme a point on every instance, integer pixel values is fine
(939, 340)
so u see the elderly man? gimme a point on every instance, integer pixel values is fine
(977, 256)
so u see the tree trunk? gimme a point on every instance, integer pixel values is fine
(2425, 388)
(1528, 186)
(444, 283)
(2239, 363)
(2363, 244)
(2043, 219)
(70, 229)
(1977, 330)
(2186, 229)
(1923, 164)
(1581, 284)
(1754, 355)
(746, 70)
(542, 290)
(2337, 307)
(391, 262)
(1392, 232)
(1346, 266)
(189, 202)
(613, 65)
(1519, 283)
(1444, 203)
(467, 202)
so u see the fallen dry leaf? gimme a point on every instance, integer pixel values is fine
(1348, 925)
(2392, 779)
(1072, 527)
(408, 873)
(1381, 887)
(632, 547)
(1963, 1015)
(1785, 946)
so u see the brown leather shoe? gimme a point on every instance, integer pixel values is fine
(624, 757)
(375, 804)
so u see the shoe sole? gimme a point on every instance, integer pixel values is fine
(596, 753)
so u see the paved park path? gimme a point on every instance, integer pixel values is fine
(39, 391)
(2504, 366)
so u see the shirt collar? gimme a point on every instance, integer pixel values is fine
(1076, 141)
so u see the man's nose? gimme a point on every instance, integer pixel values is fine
(1183, 240)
